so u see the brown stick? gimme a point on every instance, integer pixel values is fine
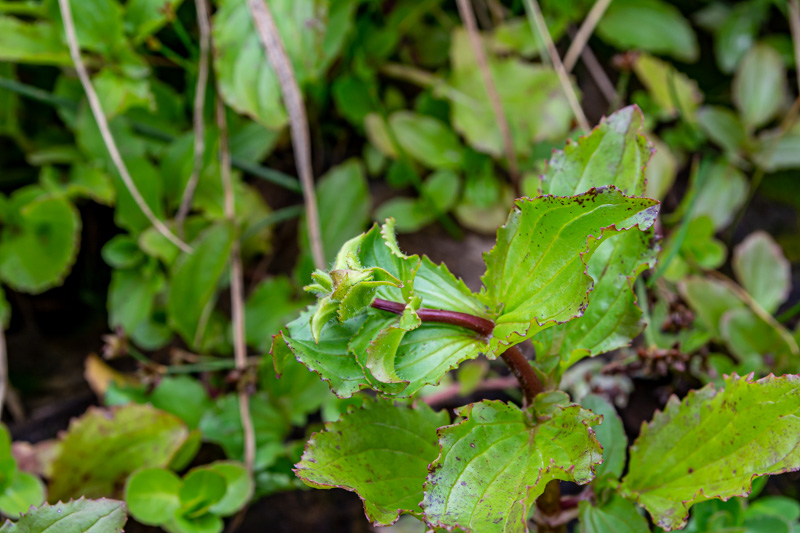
(513, 357)
(465, 10)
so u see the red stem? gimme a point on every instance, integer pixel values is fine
(513, 357)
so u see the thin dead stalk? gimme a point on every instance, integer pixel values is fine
(532, 6)
(597, 73)
(298, 121)
(468, 16)
(237, 290)
(794, 24)
(3, 368)
(105, 132)
(199, 125)
(584, 32)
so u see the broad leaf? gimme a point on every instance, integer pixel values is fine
(312, 33)
(536, 273)
(201, 489)
(495, 463)
(712, 444)
(525, 87)
(100, 449)
(709, 299)
(649, 25)
(440, 289)
(39, 242)
(722, 126)
(381, 452)
(763, 270)
(31, 42)
(616, 516)
(78, 516)
(759, 86)
(722, 193)
(615, 153)
(152, 495)
(194, 280)
(131, 295)
(25, 491)
(673, 91)
(297, 391)
(426, 139)
(238, 487)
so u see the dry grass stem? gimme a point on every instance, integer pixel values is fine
(105, 132)
(199, 125)
(468, 17)
(794, 24)
(298, 121)
(585, 31)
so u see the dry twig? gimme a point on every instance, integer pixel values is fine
(532, 7)
(199, 125)
(237, 290)
(597, 73)
(465, 10)
(105, 132)
(298, 121)
(584, 32)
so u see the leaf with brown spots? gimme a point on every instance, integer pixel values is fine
(713, 444)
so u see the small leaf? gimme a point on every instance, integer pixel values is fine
(194, 278)
(239, 487)
(758, 345)
(183, 397)
(763, 270)
(118, 93)
(614, 153)
(100, 449)
(611, 436)
(381, 452)
(98, 23)
(536, 273)
(616, 516)
(496, 462)
(39, 243)
(712, 444)
(672, 91)
(122, 252)
(201, 489)
(759, 86)
(131, 296)
(709, 299)
(297, 392)
(25, 491)
(145, 17)
(723, 127)
(737, 34)
(649, 25)
(78, 516)
(722, 193)
(152, 495)
(31, 42)
(426, 139)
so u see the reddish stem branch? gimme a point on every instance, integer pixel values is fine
(513, 357)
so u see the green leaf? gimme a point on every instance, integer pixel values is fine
(8, 464)
(759, 86)
(25, 491)
(39, 243)
(312, 33)
(712, 444)
(737, 34)
(410, 214)
(223, 425)
(194, 280)
(79, 516)
(763, 270)
(709, 299)
(611, 436)
(427, 139)
(536, 273)
(146, 17)
(649, 25)
(201, 489)
(118, 93)
(723, 127)
(98, 23)
(122, 252)
(723, 192)
(673, 92)
(343, 185)
(269, 307)
(131, 295)
(614, 153)
(206, 523)
(758, 345)
(616, 516)
(183, 397)
(534, 104)
(101, 448)
(146, 177)
(239, 487)
(495, 463)
(31, 42)
(381, 452)
(152, 495)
